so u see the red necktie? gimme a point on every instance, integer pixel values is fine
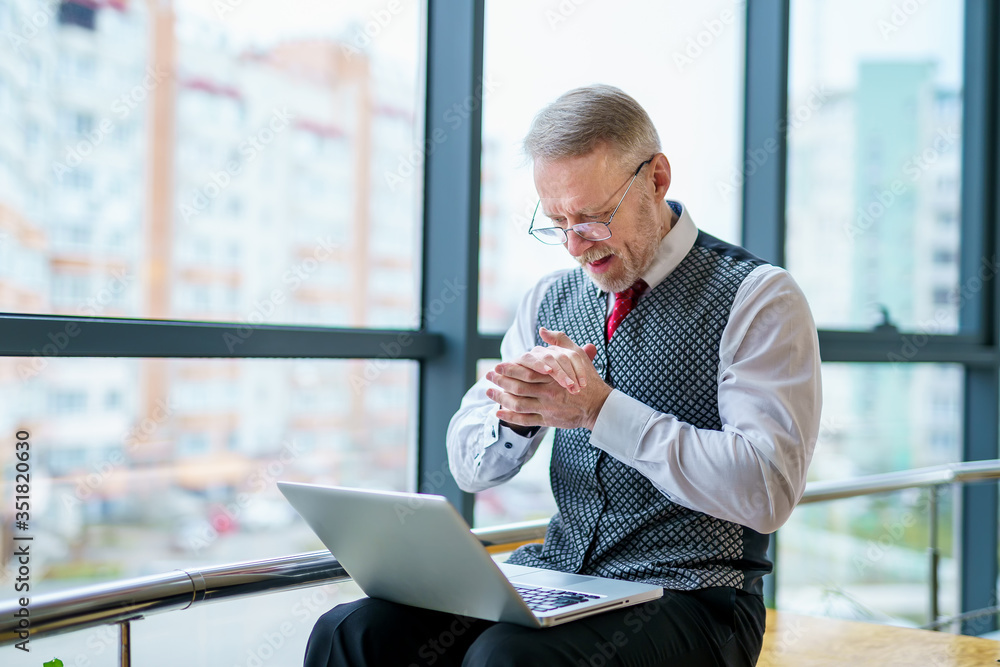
(624, 303)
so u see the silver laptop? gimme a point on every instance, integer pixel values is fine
(416, 549)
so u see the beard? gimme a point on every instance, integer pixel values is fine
(633, 259)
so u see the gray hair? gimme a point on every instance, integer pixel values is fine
(584, 117)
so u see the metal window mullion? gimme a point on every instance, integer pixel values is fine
(451, 231)
(977, 508)
(488, 346)
(978, 237)
(54, 336)
(764, 126)
(905, 347)
(766, 107)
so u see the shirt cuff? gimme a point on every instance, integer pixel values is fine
(620, 426)
(504, 440)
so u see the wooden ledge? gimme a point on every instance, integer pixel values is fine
(792, 640)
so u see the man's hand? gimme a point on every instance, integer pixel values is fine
(550, 386)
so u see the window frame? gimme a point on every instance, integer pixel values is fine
(448, 347)
(975, 346)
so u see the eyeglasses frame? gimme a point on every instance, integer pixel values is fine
(571, 228)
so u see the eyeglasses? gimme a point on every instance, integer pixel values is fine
(591, 231)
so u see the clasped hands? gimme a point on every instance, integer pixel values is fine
(555, 385)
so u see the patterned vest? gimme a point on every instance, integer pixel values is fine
(611, 520)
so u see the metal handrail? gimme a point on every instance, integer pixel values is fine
(116, 602)
(123, 601)
(973, 471)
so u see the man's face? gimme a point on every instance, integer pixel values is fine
(587, 189)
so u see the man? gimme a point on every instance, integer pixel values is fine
(682, 377)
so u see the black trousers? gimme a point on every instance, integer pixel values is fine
(714, 626)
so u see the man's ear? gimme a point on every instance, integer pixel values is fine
(661, 176)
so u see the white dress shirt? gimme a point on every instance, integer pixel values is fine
(752, 472)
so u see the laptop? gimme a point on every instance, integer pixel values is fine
(416, 549)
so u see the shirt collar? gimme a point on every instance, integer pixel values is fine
(673, 248)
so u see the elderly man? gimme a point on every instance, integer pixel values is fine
(681, 374)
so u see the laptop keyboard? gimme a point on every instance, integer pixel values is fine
(547, 599)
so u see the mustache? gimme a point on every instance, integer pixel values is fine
(593, 255)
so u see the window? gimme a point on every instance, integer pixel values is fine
(233, 161)
(113, 400)
(197, 434)
(164, 449)
(69, 288)
(873, 233)
(219, 401)
(67, 401)
(77, 14)
(192, 445)
(84, 124)
(80, 180)
(695, 100)
(31, 135)
(528, 495)
(869, 553)
(945, 257)
(874, 153)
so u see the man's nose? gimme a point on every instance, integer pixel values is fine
(576, 244)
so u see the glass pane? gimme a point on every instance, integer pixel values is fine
(695, 99)
(217, 161)
(269, 629)
(262, 630)
(867, 557)
(143, 466)
(874, 159)
(95, 647)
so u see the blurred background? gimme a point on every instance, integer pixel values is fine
(259, 162)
